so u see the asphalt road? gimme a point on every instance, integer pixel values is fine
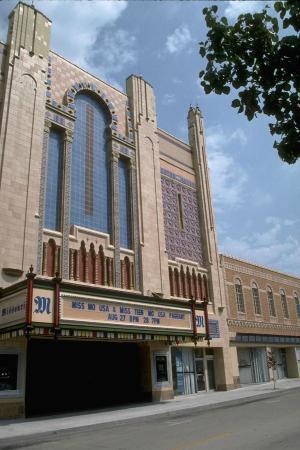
(264, 424)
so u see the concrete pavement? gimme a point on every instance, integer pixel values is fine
(201, 401)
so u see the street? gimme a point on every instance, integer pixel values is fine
(261, 424)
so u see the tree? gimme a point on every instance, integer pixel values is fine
(259, 56)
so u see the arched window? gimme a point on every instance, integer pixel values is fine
(90, 194)
(239, 296)
(124, 204)
(177, 282)
(271, 302)
(52, 219)
(297, 304)
(284, 305)
(256, 300)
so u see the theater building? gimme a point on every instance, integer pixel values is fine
(263, 309)
(110, 280)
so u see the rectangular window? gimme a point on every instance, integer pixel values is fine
(239, 298)
(284, 306)
(180, 211)
(271, 304)
(161, 368)
(297, 306)
(8, 372)
(256, 301)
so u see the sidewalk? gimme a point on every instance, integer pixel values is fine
(26, 427)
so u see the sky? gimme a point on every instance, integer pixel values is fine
(256, 196)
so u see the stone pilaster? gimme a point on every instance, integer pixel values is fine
(43, 184)
(115, 216)
(66, 207)
(22, 140)
(154, 261)
(135, 225)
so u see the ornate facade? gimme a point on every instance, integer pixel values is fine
(113, 217)
(111, 287)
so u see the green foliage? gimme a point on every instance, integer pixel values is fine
(263, 64)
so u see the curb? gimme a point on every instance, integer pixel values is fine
(25, 440)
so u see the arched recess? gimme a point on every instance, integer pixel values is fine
(82, 262)
(92, 265)
(51, 253)
(176, 282)
(101, 270)
(90, 167)
(183, 282)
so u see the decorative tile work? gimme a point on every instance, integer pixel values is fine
(178, 178)
(183, 243)
(65, 74)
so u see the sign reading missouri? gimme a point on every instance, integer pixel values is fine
(102, 311)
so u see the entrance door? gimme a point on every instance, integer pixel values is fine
(183, 371)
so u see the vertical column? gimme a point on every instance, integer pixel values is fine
(105, 283)
(115, 216)
(77, 256)
(66, 204)
(45, 255)
(135, 224)
(132, 276)
(42, 196)
(72, 254)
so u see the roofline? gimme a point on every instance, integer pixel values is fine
(88, 73)
(160, 130)
(260, 266)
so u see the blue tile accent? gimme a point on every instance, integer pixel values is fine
(214, 329)
(177, 177)
(100, 216)
(124, 204)
(54, 181)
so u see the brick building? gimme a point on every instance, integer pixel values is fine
(114, 217)
(263, 310)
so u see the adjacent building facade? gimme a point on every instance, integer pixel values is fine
(111, 282)
(263, 310)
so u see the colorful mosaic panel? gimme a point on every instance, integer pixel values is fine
(54, 181)
(90, 195)
(64, 75)
(182, 242)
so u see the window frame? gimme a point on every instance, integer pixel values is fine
(18, 392)
(271, 301)
(284, 304)
(256, 299)
(239, 296)
(297, 304)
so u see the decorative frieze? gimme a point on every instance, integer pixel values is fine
(266, 325)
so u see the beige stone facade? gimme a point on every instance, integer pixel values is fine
(110, 275)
